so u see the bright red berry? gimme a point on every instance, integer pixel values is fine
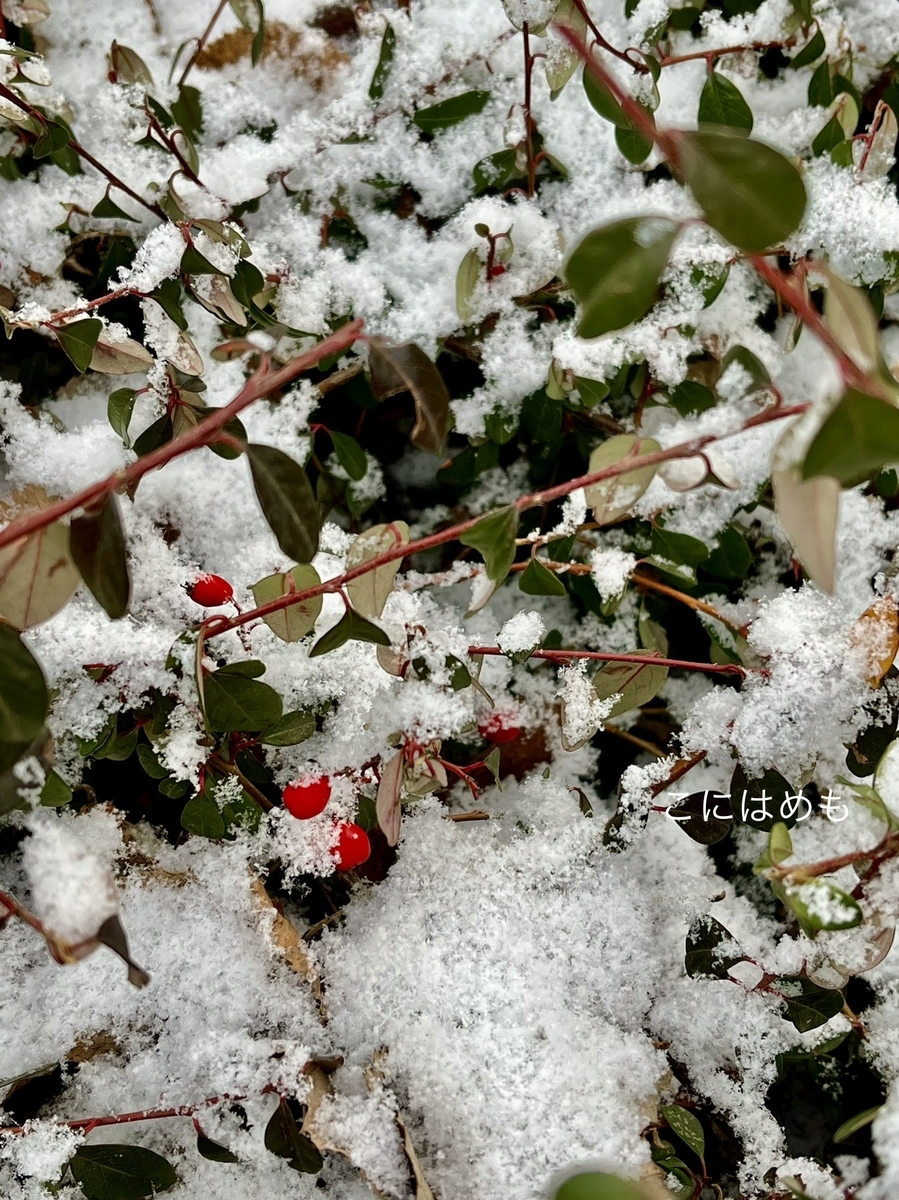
(353, 847)
(497, 269)
(499, 728)
(305, 798)
(210, 591)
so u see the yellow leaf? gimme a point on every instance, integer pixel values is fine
(876, 633)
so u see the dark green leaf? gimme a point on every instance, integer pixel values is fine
(704, 817)
(731, 558)
(810, 1005)
(633, 145)
(293, 728)
(829, 138)
(450, 112)
(79, 339)
(234, 702)
(811, 51)
(406, 367)
(541, 417)
(202, 817)
(350, 455)
(752, 364)
(750, 193)
(722, 103)
(803, 9)
(762, 802)
(494, 171)
(686, 1126)
(154, 436)
(614, 271)
(678, 547)
(111, 1172)
(214, 1151)
(537, 580)
(252, 668)
(119, 408)
(97, 542)
(494, 537)
(385, 62)
(188, 110)
(194, 263)
(150, 763)
(54, 137)
(690, 397)
(108, 208)
(602, 100)
(859, 437)
(283, 1137)
(351, 627)
(710, 949)
(821, 89)
(246, 282)
(287, 500)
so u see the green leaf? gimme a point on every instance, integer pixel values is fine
(537, 580)
(119, 408)
(810, 1005)
(466, 281)
(615, 271)
(368, 592)
(214, 1151)
(406, 367)
(37, 576)
(194, 263)
(154, 436)
(859, 437)
(235, 703)
(55, 792)
(678, 547)
(98, 551)
(821, 89)
(494, 538)
(633, 145)
(287, 500)
(54, 137)
(450, 112)
(188, 110)
(689, 398)
(350, 627)
(592, 391)
(722, 103)
(638, 683)
(751, 194)
(596, 1185)
(385, 62)
(602, 100)
(350, 455)
(803, 9)
(111, 1172)
(854, 1124)
(252, 668)
(731, 558)
(811, 51)
(829, 138)
(819, 905)
(292, 729)
(283, 1137)
(613, 497)
(751, 364)
(150, 763)
(494, 171)
(108, 208)
(710, 950)
(292, 623)
(202, 817)
(78, 339)
(748, 803)
(686, 1126)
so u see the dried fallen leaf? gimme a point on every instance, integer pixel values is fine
(876, 634)
(290, 944)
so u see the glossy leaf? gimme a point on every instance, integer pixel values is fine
(112, 1172)
(721, 103)
(368, 593)
(538, 580)
(615, 272)
(55, 792)
(406, 367)
(109, 209)
(201, 816)
(294, 622)
(123, 357)
(710, 950)
(350, 455)
(749, 193)
(385, 62)
(686, 1126)
(236, 703)
(97, 542)
(602, 100)
(287, 501)
(78, 339)
(292, 729)
(613, 497)
(450, 112)
(633, 145)
(859, 437)
(638, 683)
(283, 1137)
(214, 1151)
(37, 576)
(119, 408)
(703, 817)
(350, 627)
(811, 51)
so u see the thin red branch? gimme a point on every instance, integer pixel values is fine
(670, 61)
(88, 1124)
(649, 660)
(261, 384)
(201, 42)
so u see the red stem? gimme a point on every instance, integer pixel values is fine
(650, 660)
(87, 1124)
(261, 384)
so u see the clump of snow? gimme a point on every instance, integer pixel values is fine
(72, 889)
(610, 569)
(521, 633)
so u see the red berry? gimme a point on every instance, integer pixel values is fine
(499, 728)
(497, 269)
(210, 590)
(353, 847)
(305, 798)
